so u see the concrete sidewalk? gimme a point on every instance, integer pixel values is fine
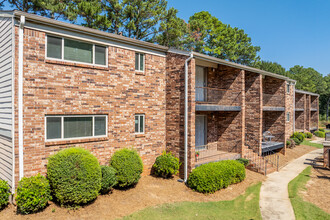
(274, 197)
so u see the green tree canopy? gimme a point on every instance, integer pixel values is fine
(208, 35)
(269, 66)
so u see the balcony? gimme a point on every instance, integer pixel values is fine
(273, 102)
(214, 99)
(299, 106)
(314, 107)
(216, 151)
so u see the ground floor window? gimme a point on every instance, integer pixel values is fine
(139, 123)
(75, 126)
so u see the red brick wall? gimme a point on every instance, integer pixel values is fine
(308, 112)
(299, 100)
(275, 123)
(116, 91)
(300, 120)
(289, 108)
(175, 108)
(253, 110)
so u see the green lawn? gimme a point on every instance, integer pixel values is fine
(304, 210)
(308, 143)
(243, 207)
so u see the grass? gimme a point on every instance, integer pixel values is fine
(243, 207)
(308, 143)
(302, 209)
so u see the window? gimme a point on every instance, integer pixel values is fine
(139, 61)
(75, 126)
(139, 123)
(77, 51)
(288, 88)
(288, 116)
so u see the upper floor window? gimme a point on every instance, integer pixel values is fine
(288, 116)
(77, 51)
(288, 88)
(139, 62)
(75, 126)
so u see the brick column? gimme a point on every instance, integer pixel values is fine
(261, 112)
(243, 112)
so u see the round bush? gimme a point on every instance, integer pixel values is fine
(211, 177)
(32, 194)
(109, 179)
(309, 135)
(166, 165)
(299, 135)
(319, 134)
(4, 194)
(322, 129)
(75, 176)
(296, 140)
(128, 166)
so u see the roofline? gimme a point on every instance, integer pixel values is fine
(306, 92)
(85, 30)
(239, 66)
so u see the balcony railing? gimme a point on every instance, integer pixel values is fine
(272, 100)
(216, 151)
(217, 96)
(300, 105)
(314, 106)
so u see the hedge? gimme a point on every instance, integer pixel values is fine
(109, 179)
(211, 177)
(319, 134)
(75, 176)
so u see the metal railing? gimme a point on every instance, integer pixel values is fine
(259, 160)
(215, 151)
(272, 100)
(218, 96)
(300, 105)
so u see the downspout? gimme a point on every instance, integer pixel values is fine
(20, 96)
(186, 118)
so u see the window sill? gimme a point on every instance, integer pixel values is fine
(142, 73)
(75, 141)
(140, 135)
(71, 63)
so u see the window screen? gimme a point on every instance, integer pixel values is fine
(54, 47)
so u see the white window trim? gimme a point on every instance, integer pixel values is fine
(144, 62)
(71, 61)
(76, 138)
(144, 123)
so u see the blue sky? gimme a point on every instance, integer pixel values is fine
(290, 32)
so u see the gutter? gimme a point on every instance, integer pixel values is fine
(20, 96)
(186, 117)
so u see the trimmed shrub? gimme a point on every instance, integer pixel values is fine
(299, 135)
(309, 134)
(288, 143)
(166, 165)
(319, 134)
(296, 140)
(4, 194)
(109, 179)
(128, 166)
(32, 194)
(211, 177)
(74, 175)
(243, 161)
(322, 129)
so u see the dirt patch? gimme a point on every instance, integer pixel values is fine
(150, 191)
(294, 153)
(318, 187)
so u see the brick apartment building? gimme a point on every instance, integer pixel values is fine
(64, 85)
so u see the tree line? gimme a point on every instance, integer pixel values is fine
(153, 21)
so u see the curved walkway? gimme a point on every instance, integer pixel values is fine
(274, 197)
